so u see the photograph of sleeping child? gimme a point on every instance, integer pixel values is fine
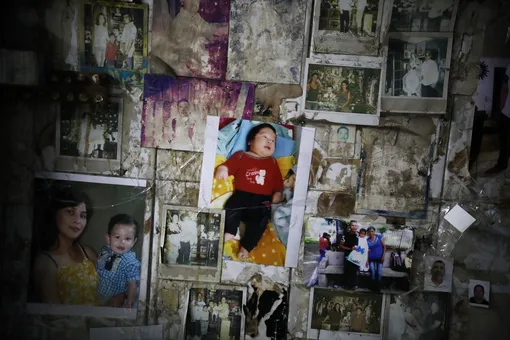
(101, 266)
(255, 178)
(215, 313)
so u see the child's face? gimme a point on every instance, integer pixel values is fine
(112, 38)
(264, 143)
(362, 234)
(291, 181)
(122, 238)
(115, 32)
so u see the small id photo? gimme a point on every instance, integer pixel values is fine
(479, 293)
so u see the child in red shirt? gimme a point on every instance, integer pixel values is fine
(258, 183)
(111, 51)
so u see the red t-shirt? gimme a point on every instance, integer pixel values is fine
(111, 51)
(256, 175)
(323, 243)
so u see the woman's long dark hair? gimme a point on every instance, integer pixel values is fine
(59, 198)
(255, 130)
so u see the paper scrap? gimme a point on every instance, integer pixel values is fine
(459, 218)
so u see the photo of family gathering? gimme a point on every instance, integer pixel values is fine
(114, 36)
(416, 66)
(357, 17)
(191, 237)
(82, 255)
(345, 312)
(351, 256)
(214, 314)
(342, 89)
(418, 316)
(90, 134)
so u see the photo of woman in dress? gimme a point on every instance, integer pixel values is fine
(100, 39)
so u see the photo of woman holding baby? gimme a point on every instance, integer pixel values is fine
(64, 270)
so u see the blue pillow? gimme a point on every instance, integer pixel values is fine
(227, 137)
(285, 146)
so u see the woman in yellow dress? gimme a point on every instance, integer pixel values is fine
(64, 271)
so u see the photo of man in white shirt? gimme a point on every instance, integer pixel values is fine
(429, 77)
(127, 41)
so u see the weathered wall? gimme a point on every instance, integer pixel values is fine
(396, 156)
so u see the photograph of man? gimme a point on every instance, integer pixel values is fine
(429, 77)
(439, 277)
(343, 134)
(478, 293)
(348, 244)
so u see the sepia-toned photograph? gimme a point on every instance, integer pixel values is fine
(381, 261)
(438, 274)
(215, 312)
(191, 236)
(417, 72)
(102, 217)
(347, 26)
(418, 316)
(334, 311)
(88, 135)
(479, 293)
(113, 35)
(423, 16)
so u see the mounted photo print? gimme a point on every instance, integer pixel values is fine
(381, 262)
(215, 312)
(175, 110)
(266, 41)
(423, 16)
(332, 314)
(258, 173)
(418, 315)
(417, 72)
(191, 36)
(89, 139)
(191, 243)
(102, 219)
(347, 27)
(438, 275)
(346, 90)
(479, 293)
(112, 37)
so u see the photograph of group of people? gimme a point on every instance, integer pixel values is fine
(416, 67)
(214, 314)
(418, 316)
(363, 258)
(342, 89)
(422, 16)
(83, 133)
(114, 36)
(191, 237)
(349, 16)
(82, 255)
(346, 312)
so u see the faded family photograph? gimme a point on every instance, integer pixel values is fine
(416, 66)
(214, 314)
(357, 17)
(192, 238)
(342, 89)
(114, 36)
(418, 316)
(422, 15)
(346, 312)
(88, 133)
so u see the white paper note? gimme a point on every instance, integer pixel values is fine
(459, 218)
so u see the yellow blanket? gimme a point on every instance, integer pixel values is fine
(269, 251)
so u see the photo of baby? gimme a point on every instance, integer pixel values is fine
(257, 182)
